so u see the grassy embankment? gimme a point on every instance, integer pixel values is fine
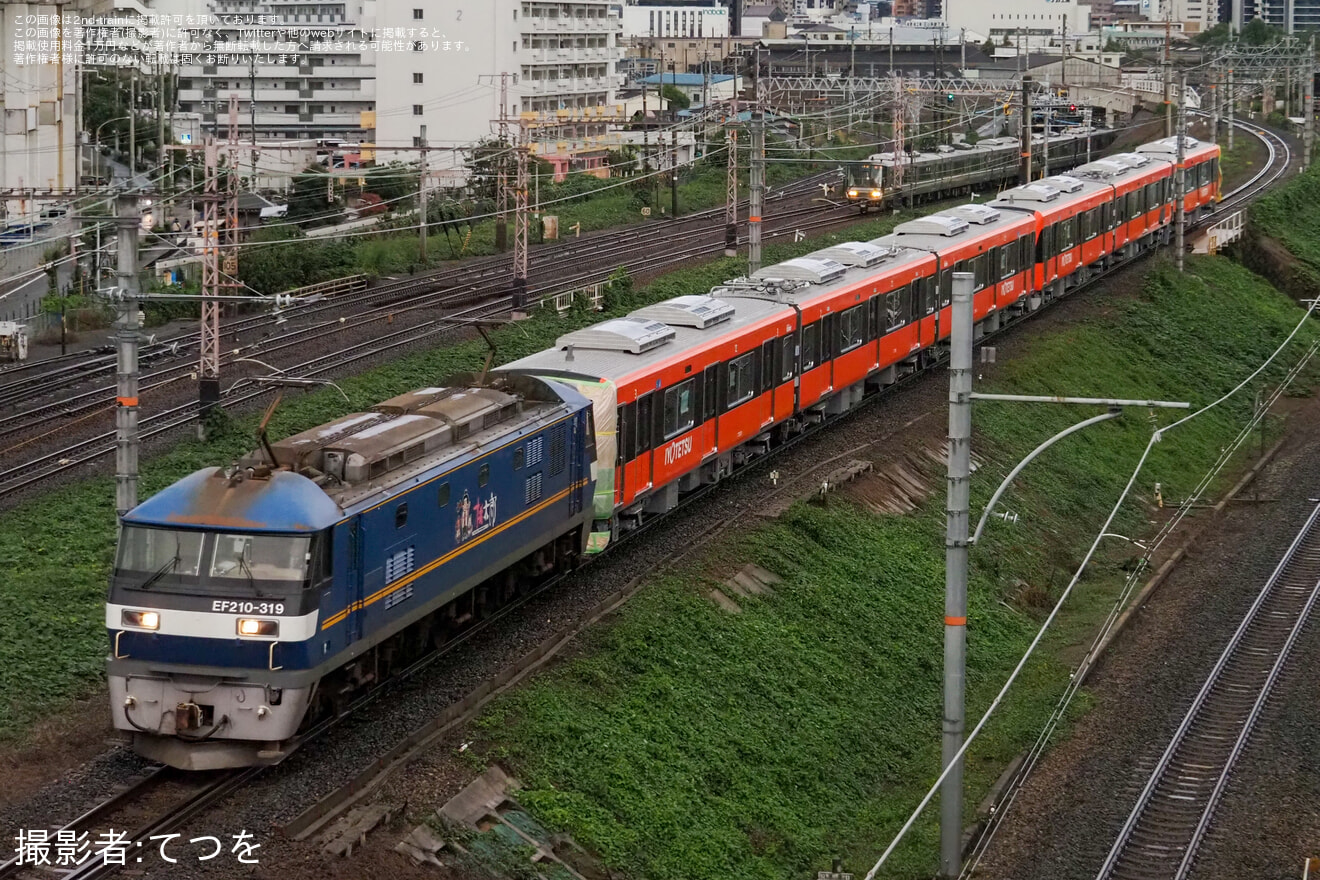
(684, 742)
(57, 549)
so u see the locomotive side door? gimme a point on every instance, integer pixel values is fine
(356, 551)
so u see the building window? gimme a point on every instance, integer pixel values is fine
(417, 141)
(417, 109)
(417, 79)
(417, 15)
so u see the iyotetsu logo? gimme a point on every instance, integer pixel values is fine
(676, 450)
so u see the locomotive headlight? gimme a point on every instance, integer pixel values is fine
(875, 193)
(248, 626)
(140, 619)
(852, 193)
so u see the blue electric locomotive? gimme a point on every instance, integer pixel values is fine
(246, 602)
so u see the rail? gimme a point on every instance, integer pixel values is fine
(1172, 814)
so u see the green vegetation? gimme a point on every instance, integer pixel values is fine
(1290, 217)
(685, 742)
(58, 547)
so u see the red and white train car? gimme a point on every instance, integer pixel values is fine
(686, 390)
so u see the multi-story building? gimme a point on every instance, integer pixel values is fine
(546, 56)
(38, 102)
(308, 72)
(1032, 17)
(689, 20)
(1304, 13)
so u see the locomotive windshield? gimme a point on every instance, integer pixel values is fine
(175, 558)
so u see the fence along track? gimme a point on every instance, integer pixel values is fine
(1162, 834)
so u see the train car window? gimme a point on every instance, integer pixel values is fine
(1106, 217)
(810, 346)
(894, 310)
(1007, 261)
(786, 352)
(712, 377)
(401, 515)
(483, 476)
(1026, 250)
(1046, 245)
(645, 421)
(680, 408)
(519, 457)
(929, 293)
(1214, 170)
(852, 328)
(740, 380)
(590, 445)
(768, 365)
(627, 433)
(946, 287)
(442, 495)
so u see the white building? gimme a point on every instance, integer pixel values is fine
(316, 83)
(1006, 17)
(691, 22)
(38, 104)
(559, 55)
(1195, 15)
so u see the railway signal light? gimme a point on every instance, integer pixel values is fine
(1072, 108)
(949, 97)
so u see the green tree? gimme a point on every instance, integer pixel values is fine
(676, 99)
(394, 182)
(307, 197)
(989, 47)
(1257, 33)
(1218, 35)
(271, 264)
(483, 164)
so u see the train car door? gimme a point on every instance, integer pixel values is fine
(645, 425)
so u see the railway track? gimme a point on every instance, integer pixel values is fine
(483, 275)
(197, 801)
(480, 302)
(155, 803)
(1174, 811)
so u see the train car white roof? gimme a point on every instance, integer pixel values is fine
(629, 334)
(695, 310)
(935, 224)
(1030, 192)
(973, 213)
(1169, 146)
(813, 268)
(1102, 169)
(1065, 183)
(855, 253)
(1131, 160)
(618, 363)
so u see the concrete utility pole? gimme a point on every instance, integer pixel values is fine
(252, 116)
(1232, 104)
(128, 221)
(731, 188)
(673, 175)
(1168, 80)
(1308, 105)
(1181, 187)
(520, 222)
(132, 122)
(502, 170)
(208, 370)
(900, 132)
(1214, 106)
(421, 200)
(1026, 131)
(757, 184)
(160, 120)
(957, 506)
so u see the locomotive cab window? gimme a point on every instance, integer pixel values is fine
(159, 552)
(442, 495)
(680, 408)
(483, 476)
(260, 557)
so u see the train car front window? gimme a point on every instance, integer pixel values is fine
(260, 557)
(167, 551)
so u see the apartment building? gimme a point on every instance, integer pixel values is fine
(560, 57)
(307, 70)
